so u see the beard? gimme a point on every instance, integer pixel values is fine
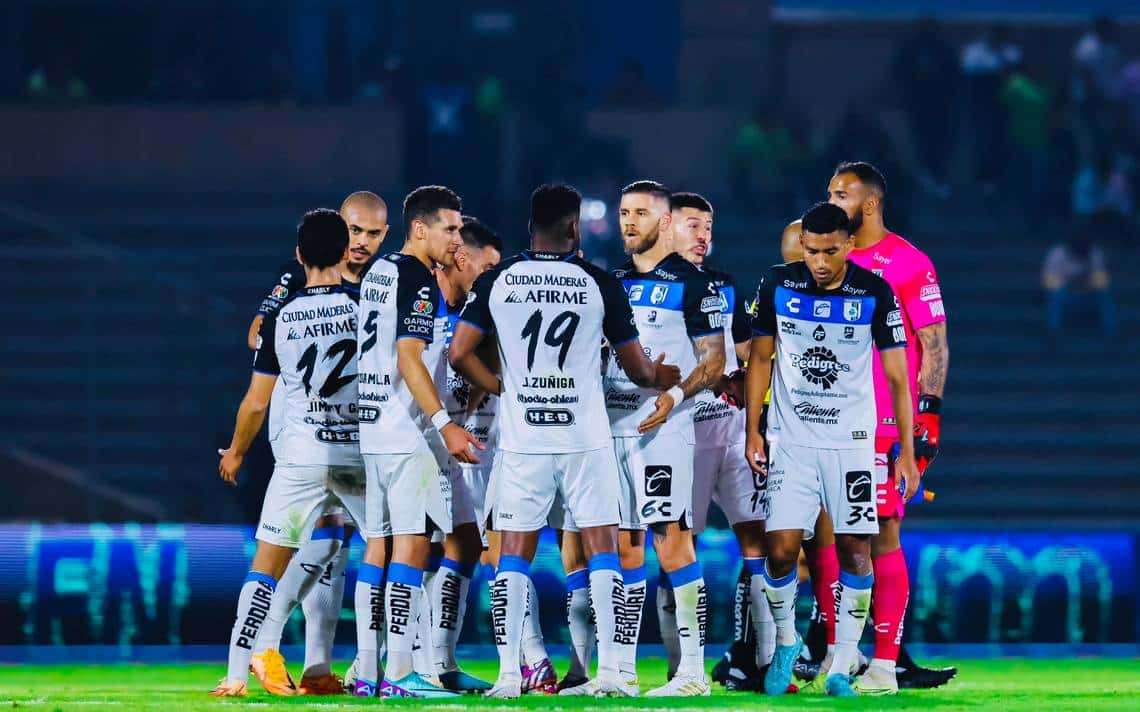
(856, 222)
(641, 243)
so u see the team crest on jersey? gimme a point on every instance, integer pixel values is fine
(635, 292)
(852, 309)
(660, 291)
(422, 306)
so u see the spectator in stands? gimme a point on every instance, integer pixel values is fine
(984, 63)
(1028, 105)
(1078, 267)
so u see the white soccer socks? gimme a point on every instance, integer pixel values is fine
(321, 606)
(629, 626)
(692, 618)
(607, 595)
(533, 645)
(449, 601)
(781, 594)
(762, 624)
(667, 622)
(854, 602)
(581, 619)
(508, 606)
(402, 608)
(253, 606)
(305, 568)
(368, 602)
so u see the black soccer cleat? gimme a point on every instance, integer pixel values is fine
(738, 663)
(912, 676)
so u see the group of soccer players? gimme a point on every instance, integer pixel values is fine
(450, 403)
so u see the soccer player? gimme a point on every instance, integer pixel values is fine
(315, 576)
(311, 344)
(720, 472)
(550, 310)
(678, 312)
(481, 250)
(860, 189)
(823, 318)
(406, 437)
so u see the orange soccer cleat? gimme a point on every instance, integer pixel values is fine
(328, 684)
(269, 669)
(226, 688)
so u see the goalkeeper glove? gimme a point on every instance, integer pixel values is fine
(927, 426)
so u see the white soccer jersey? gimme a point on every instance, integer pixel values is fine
(716, 422)
(481, 421)
(823, 394)
(550, 312)
(398, 300)
(310, 343)
(672, 304)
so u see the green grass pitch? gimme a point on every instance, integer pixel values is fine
(1004, 684)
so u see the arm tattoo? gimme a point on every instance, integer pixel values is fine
(935, 359)
(710, 364)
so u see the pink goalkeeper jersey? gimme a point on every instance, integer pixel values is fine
(910, 273)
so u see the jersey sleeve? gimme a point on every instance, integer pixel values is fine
(618, 324)
(265, 356)
(764, 308)
(741, 329)
(292, 278)
(887, 322)
(702, 307)
(921, 295)
(477, 311)
(416, 297)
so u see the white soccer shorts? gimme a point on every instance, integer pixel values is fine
(722, 475)
(407, 493)
(802, 479)
(469, 490)
(531, 489)
(298, 494)
(656, 480)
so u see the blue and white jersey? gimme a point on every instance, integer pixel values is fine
(455, 392)
(823, 390)
(673, 304)
(716, 422)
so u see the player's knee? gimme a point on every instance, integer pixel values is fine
(888, 539)
(854, 553)
(750, 536)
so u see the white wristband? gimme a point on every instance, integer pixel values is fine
(677, 394)
(441, 419)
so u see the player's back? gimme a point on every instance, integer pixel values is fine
(311, 343)
(822, 388)
(398, 299)
(551, 312)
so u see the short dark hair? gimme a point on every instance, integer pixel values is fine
(425, 202)
(825, 218)
(322, 237)
(867, 174)
(652, 187)
(696, 201)
(476, 234)
(551, 203)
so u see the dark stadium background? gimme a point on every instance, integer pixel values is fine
(155, 157)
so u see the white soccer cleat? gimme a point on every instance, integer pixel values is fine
(877, 680)
(683, 686)
(611, 685)
(589, 688)
(506, 688)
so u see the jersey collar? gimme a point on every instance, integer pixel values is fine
(548, 256)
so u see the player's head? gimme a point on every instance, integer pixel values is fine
(644, 215)
(433, 216)
(859, 188)
(366, 215)
(692, 226)
(555, 210)
(826, 241)
(481, 250)
(322, 238)
(790, 247)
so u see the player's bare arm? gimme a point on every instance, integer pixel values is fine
(710, 366)
(935, 360)
(410, 362)
(645, 373)
(757, 383)
(251, 415)
(894, 368)
(254, 327)
(464, 355)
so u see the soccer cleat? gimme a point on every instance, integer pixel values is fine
(459, 681)
(329, 684)
(541, 678)
(413, 685)
(682, 686)
(269, 669)
(740, 657)
(877, 680)
(571, 681)
(839, 685)
(363, 688)
(585, 688)
(779, 674)
(920, 678)
(743, 674)
(226, 688)
(351, 674)
(506, 688)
